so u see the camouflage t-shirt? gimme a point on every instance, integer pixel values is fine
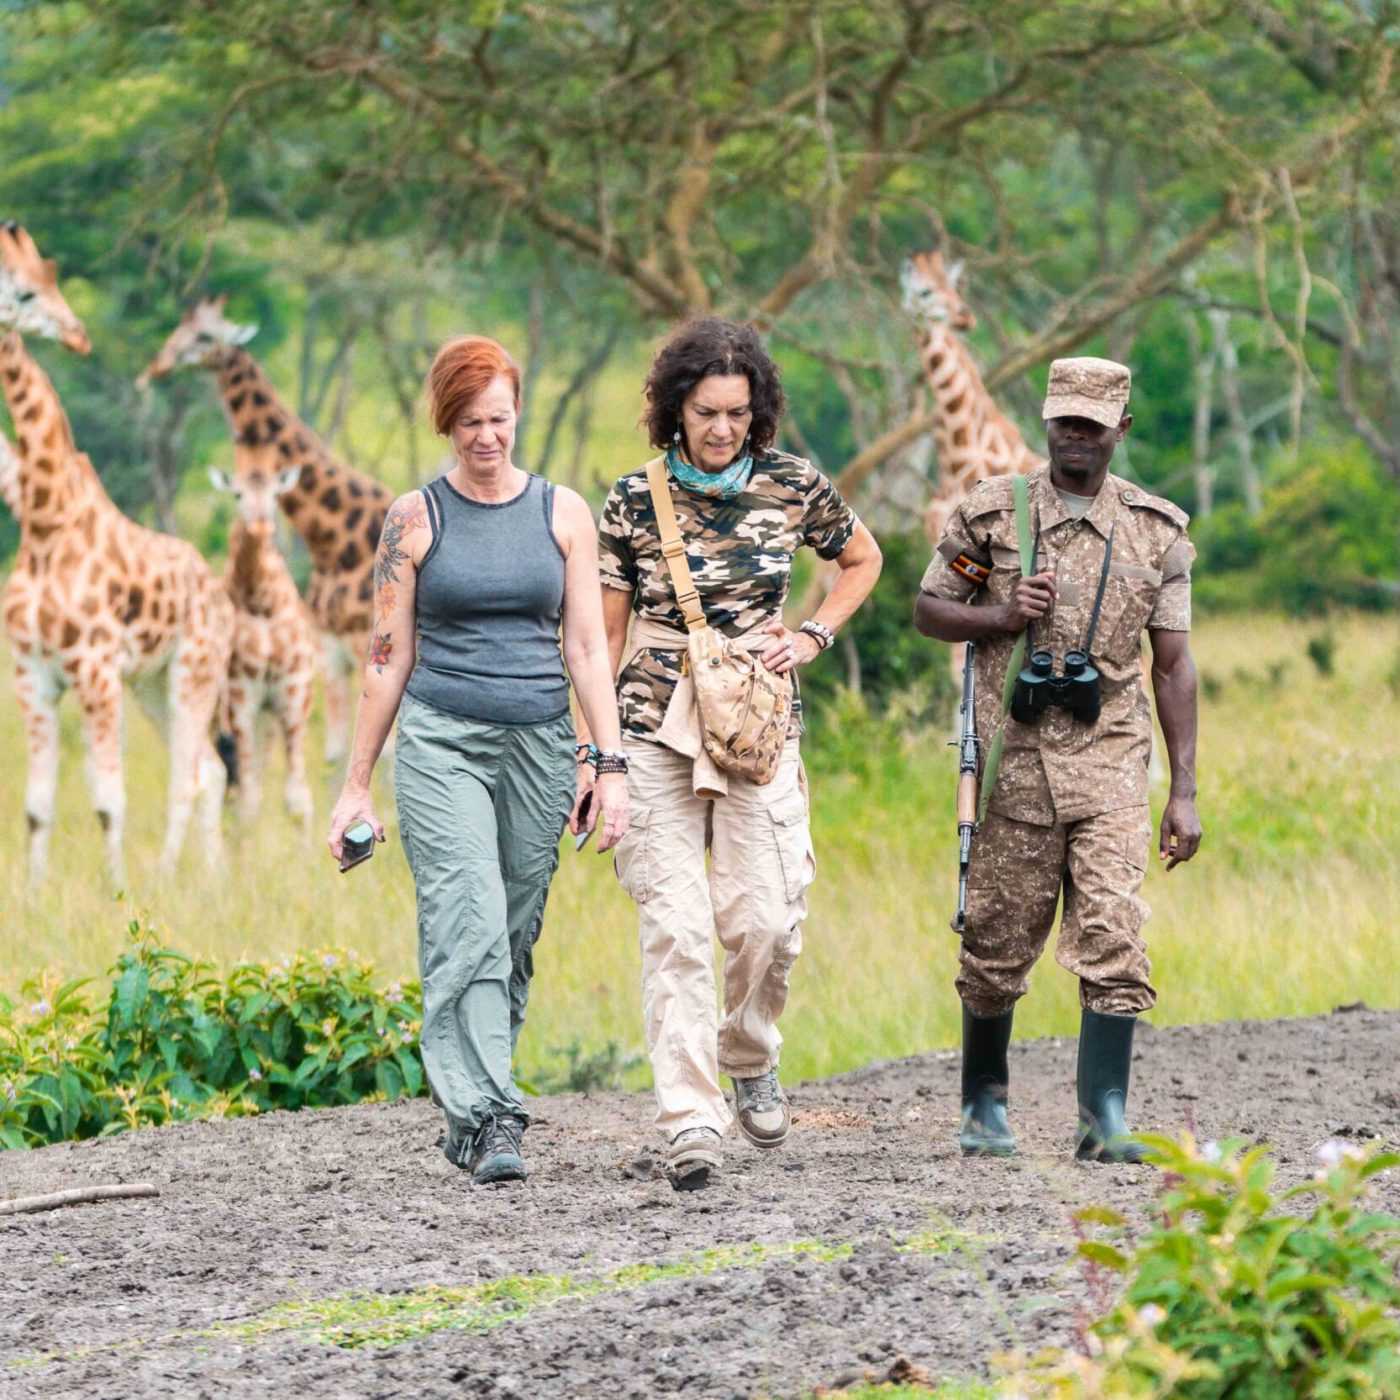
(740, 555)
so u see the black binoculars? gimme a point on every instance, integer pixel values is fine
(1038, 688)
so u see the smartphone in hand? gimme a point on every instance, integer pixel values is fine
(581, 840)
(356, 845)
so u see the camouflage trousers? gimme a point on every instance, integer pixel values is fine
(1015, 877)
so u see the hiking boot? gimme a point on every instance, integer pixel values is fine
(1105, 1057)
(495, 1151)
(764, 1116)
(985, 1086)
(691, 1157)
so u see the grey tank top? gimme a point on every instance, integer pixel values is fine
(490, 599)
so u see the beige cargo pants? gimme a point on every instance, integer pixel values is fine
(753, 898)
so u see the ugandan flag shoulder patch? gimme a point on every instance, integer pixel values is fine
(974, 570)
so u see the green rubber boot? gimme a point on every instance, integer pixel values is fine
(985, 1080)
(1105, 1057)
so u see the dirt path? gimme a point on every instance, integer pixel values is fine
(337, 1254)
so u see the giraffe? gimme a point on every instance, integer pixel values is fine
(275, 655)
(972, 436)
(95, 598)
(338, 511)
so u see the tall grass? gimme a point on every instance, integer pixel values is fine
(1289, 908)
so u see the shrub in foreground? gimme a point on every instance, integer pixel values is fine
(175, 1041)
(1239, 1289)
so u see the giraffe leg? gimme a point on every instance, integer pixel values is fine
(292, 705)
(37, 688)
(196, 772)
(335, 672)
(99, 688)
(244, 702)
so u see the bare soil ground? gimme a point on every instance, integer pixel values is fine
(338, 1254)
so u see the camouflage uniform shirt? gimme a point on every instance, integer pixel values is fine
(1058, 768)
(740, 554)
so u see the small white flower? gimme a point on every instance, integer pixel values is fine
(40, 1008)
(328, 960)
(328, 1028)
(1210, 1152)
(395, 993)
(255, 1075)
(1331, 1153)
(1151, 1315)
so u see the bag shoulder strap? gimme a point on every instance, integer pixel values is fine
(1021, 491)
(673, 547)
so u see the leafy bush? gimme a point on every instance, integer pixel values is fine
(1237, 1292)
(177, 1042)
(1326, 538)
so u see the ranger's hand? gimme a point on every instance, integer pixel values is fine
(1030, 600)
(1181, 831)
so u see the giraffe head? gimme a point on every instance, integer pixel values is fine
(202, 339)
(931, 292)
(256, 495)
(30, 301)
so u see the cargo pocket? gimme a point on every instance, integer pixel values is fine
(632, 858)
(794, 840)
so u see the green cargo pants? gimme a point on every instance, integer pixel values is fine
(481, 809)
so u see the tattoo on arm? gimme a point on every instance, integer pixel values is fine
(404, 515)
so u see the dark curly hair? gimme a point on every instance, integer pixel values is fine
(698, 348)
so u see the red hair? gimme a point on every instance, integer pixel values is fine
(462, 370)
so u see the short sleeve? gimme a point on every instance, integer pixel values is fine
(617, 567)
(960, 566)
(1172, 610)
(827, 522)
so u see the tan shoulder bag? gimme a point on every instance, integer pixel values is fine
(744, 707)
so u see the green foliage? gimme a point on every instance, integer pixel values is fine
(1242, 1289)
(176, 1042)
(898, 668)
(587, 1071)
(1326, 538)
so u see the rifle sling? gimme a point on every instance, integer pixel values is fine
(1018, 653)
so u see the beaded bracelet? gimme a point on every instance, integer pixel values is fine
(588, 752)
(823, 634)
(611, 761)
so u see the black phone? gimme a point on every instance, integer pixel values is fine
(581, 840)
(356, 845)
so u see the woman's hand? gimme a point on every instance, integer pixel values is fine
(787, 650)
(354, 805)
(586, 781)
(609, 812)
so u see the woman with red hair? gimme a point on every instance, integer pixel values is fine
(476, 575)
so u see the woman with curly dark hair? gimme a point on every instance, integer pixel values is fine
(742, 509)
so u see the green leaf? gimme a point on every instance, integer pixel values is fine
(1099, 1253)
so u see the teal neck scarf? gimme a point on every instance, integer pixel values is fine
(725, 485)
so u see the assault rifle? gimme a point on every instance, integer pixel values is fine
(968, 745)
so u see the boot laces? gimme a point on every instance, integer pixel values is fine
(762, 1094)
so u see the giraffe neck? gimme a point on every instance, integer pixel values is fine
(268, 435)
(48, 482)
(251, 578)
(973, 436)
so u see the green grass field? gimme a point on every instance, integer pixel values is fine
(1288, 910)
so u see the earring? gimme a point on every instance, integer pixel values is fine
(676, 436)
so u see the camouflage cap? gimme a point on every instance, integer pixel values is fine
(1087, 388)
